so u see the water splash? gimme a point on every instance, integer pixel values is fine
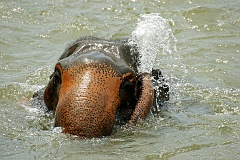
(152, 36)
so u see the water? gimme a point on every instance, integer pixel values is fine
(153, 36)
(202, 121)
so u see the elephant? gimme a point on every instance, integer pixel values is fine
(96, 85)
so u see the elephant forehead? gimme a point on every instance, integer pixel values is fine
(96, 60)
(90, 70)
(101, 83)
(87, 58)
(85, 75)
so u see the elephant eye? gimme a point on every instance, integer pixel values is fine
(127, 91)
(127, 86)
(56, 76)
(55, 82)
(56, 79)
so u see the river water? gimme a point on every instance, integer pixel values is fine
(202, 120)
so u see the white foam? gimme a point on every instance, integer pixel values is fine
(153, 36)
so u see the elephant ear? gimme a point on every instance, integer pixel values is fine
(52, 90)
(145, 100)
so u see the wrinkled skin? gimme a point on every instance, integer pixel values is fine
(96, 85)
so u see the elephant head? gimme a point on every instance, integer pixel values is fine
(95, 85)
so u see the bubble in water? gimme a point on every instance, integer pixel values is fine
(152, 36)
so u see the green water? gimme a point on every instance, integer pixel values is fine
(203, 117)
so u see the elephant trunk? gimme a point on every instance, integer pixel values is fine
(85, 117)
(145, 100)
(87, 103)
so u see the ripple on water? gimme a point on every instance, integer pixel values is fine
(222, 100)
(202, 121)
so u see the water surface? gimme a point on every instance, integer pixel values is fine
(202, 120)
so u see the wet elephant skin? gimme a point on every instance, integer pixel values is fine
(96, 85)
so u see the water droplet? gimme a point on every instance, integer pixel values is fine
(152, 36)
